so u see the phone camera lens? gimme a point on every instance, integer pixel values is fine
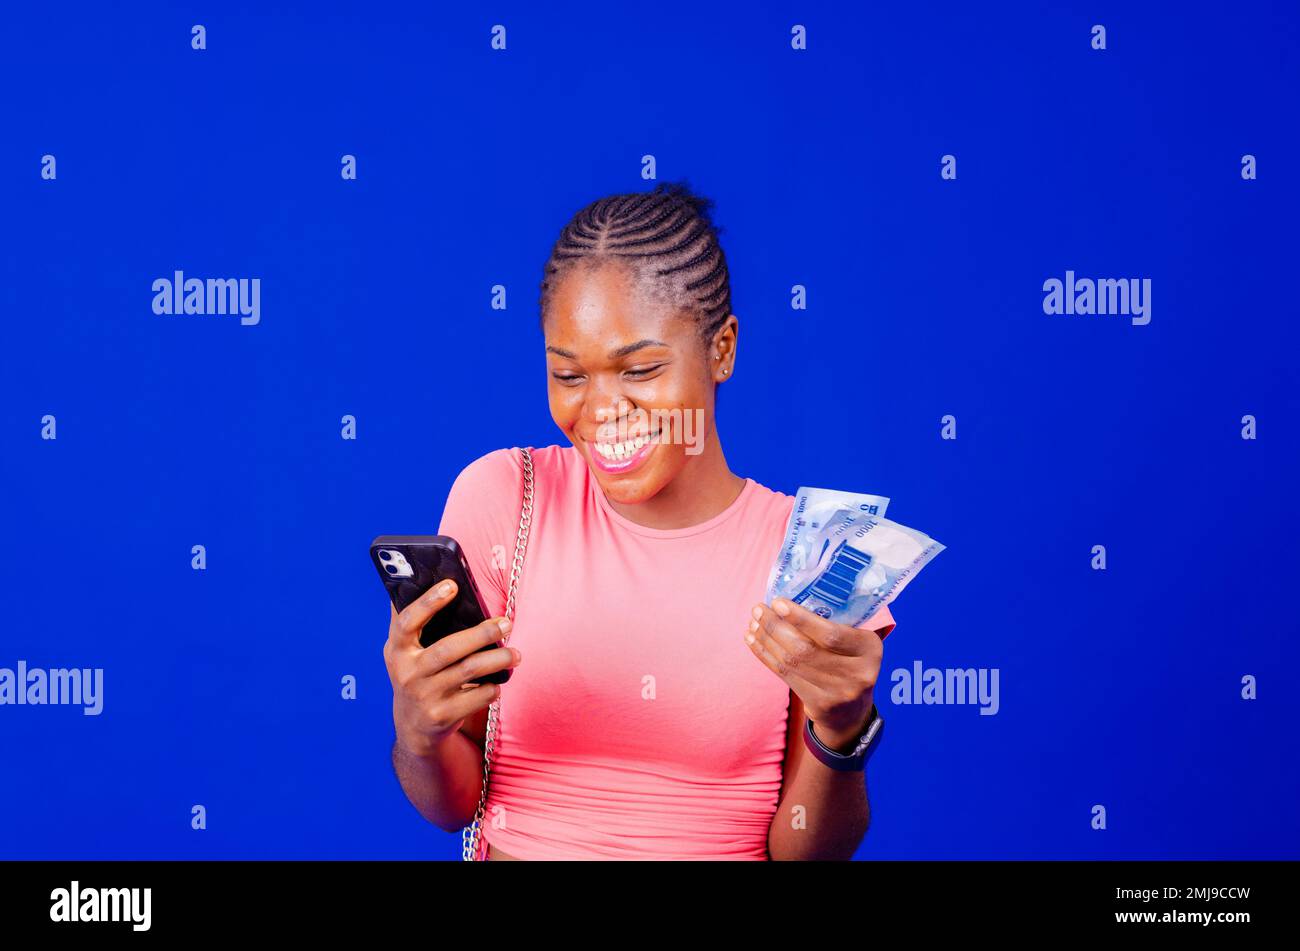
(392, 569)
(384, 555)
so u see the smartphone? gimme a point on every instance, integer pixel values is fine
(410, 565)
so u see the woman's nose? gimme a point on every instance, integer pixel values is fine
(607, 407)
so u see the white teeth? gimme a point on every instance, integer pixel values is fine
(620, 450)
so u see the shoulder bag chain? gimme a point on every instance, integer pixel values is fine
(471, 837)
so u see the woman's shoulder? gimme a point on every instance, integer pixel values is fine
(486, 495)
(489, 470)
(772, 500)
(498, 468)
(557, 458)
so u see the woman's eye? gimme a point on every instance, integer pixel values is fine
(569, 379)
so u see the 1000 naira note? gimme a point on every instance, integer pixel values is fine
(842, 559)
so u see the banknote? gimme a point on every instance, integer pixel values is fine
(842, 559)
(816, 514)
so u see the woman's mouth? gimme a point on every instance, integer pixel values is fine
(622, 456)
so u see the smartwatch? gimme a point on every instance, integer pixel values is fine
(846, 762)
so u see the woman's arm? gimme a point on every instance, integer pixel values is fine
(429, 784)
(444, 786)
(823, 813)
(444, 783)
(831, 670)
(439, 692)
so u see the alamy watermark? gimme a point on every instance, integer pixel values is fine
(1103, 296)
(948, 685)
(75, 904)
(215, 295)
(624, 431)
(63, 686)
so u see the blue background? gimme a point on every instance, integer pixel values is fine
(222, 687)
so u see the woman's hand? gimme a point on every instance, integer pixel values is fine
(832, 668)
(431, 693)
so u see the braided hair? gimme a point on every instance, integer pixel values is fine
(666, 240)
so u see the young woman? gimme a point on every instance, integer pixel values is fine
(656, 708)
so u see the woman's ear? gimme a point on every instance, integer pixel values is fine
(723, 349)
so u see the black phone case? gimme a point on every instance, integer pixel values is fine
(434, 558)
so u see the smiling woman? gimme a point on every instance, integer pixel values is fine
(657, 704)
(624, 361)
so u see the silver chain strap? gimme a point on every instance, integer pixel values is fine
(471, 837)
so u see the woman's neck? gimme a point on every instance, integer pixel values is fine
(705, 487)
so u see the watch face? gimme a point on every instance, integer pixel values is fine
(870, 735)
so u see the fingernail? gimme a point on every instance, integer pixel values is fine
(758, 611)
(753, 625)
(781, 608)
(518, 656)
(749, 638)
(504, 625)
(444, 589)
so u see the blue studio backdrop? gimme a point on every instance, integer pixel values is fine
(1116, 490)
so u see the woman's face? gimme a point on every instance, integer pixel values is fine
(623, 367)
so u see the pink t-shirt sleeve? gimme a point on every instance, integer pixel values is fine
(482, 515)
(882, 622)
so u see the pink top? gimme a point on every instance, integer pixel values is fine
(639, 724)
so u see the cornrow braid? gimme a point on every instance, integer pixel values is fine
(667, 240)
